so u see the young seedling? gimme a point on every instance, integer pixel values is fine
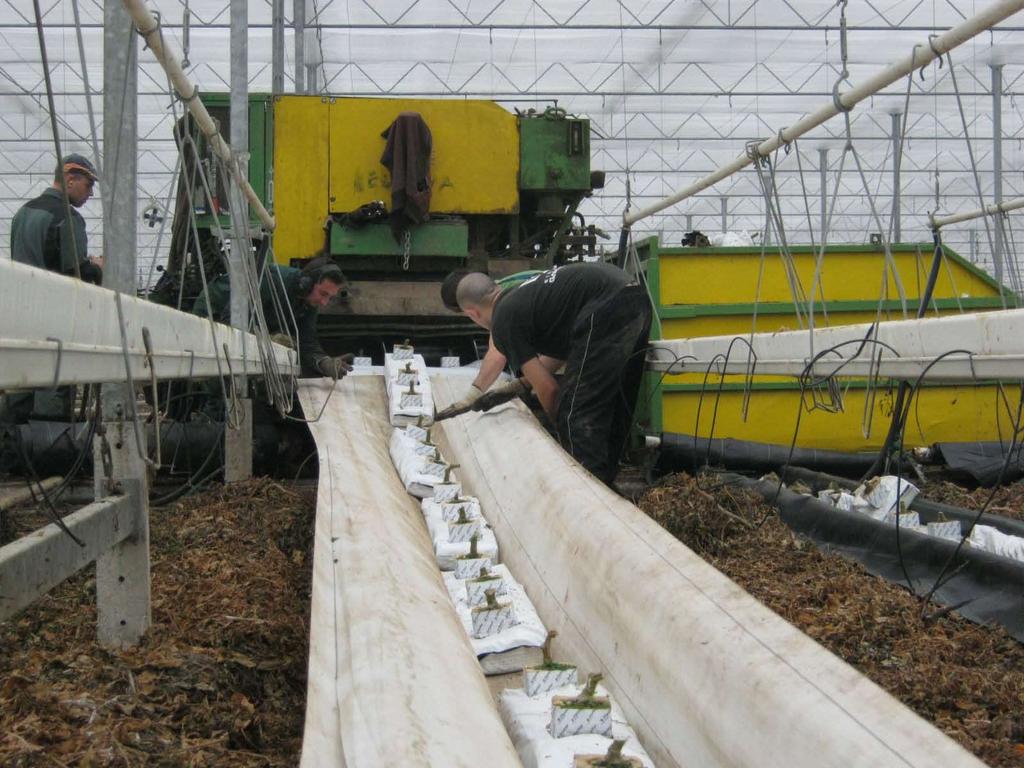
(613, 758)
(476, 588)
(550, 675)
(492, 617)
(585, 713)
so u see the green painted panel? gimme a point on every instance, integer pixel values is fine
(554, 153)
(433, 238)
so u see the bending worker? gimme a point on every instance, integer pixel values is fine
(305, 291)
(590, 316)
(493, 362)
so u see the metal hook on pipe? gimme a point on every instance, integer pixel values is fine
(60, 355)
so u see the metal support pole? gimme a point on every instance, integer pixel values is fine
(974, 246)
(724, 202)
(122, 572)
(312, 49)
(238, 435)
(997, 166)
(897, 212)
(277, 46)
(823, 196)
(689, 222)
(299, 24)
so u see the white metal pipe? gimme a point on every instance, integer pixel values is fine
(908, 348)
(149, 28)
(58, 330)
(937, 222)
(923, 53)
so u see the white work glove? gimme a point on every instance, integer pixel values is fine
(474, 394)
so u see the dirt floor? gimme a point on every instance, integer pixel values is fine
(221, 677)
(966, 679)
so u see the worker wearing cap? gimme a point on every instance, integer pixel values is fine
(293, 292)
(593, 318)
(49, 232)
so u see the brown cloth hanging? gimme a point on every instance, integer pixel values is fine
(407, 157)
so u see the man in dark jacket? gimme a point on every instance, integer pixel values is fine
(591, 317)
(49, 232)
(304, 291)
(43, 235)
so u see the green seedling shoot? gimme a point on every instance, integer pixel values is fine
(492, 599)
(462, 521)
(473, 554)
(448, 472)
(484, 575)
(412, 388)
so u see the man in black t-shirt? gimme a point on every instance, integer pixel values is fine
(590, 317)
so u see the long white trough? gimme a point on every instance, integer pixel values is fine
(393, 679)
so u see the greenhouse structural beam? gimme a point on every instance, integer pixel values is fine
(33, 565)
(149, 28)
(987, 345)
(57, 330)
(923, 53)
(937, 222)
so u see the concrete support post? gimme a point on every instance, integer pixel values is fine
(823, 175)
(122, 573)
(997, 167)
(897, 208)
(299, 24)
(238, 436)
(277, 48)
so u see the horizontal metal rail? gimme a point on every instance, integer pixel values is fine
(923, 53)
(935, 348)
(34, 564)
(55, 330)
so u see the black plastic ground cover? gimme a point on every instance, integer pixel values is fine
(983, 461)
(928, 511)
(688, 454)
(985, 588)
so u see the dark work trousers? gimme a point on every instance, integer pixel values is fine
(602, 379)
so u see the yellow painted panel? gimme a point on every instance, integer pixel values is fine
(955, 414)
(727, 325)
(727, 278)
(300, 176)
(474, 165)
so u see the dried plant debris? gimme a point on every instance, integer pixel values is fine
(966, 679)
(220, 678)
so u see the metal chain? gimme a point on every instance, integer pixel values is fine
(406, 250)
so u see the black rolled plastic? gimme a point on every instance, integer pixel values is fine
(986, 588)
(688, 453)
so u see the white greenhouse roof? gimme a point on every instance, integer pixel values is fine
(673, 90)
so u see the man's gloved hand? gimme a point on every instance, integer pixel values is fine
(335, 367)
(461, 406)
(500, 394)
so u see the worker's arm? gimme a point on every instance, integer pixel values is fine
(543, 384)
(490, 367)
(552, 364)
